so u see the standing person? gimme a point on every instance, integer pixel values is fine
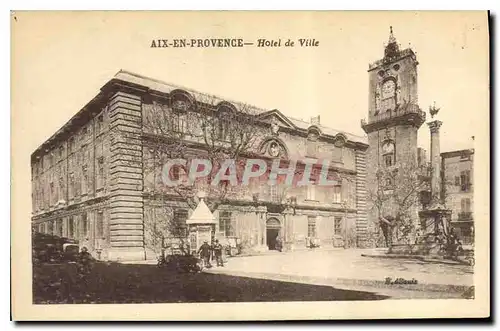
(218, 253)
(279, 244)
(84, 262)
(84, 267)
(204, 252)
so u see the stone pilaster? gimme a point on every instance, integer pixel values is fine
(361, 193)
(126, 178)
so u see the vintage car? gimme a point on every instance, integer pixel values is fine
(50, 248)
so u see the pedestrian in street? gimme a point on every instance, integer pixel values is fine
(218, 253)
(205, 252)
(84, 262)
(84, 267)
(279, 244)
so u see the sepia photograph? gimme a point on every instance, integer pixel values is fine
(334, 166)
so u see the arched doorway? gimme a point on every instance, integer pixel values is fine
(273, 227)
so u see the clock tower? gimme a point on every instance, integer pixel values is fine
(394, 118)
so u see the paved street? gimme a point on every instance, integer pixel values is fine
(293, 276)
(349, 270)
(146, 283)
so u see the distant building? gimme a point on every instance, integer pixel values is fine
(457, 168)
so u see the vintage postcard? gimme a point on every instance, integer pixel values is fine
(250, 165)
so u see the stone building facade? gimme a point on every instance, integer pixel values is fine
(92, 180)
(458, 168)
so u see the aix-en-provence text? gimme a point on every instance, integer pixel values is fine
(232, 43)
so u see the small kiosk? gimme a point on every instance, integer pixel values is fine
(201, 226)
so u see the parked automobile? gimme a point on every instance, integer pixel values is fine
(50, 248)
(70, 252)
(184, 263)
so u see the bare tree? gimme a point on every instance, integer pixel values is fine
(202, 129)
(394, 197)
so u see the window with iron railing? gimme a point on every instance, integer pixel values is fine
(178, 123)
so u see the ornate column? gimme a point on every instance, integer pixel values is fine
(262, 236)
(286, 229)
(435, 161)
(264, 228)
(259, 228)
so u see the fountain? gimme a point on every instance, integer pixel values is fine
(434, 220)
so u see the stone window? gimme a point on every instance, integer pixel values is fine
(50, 227)
(99, 123)
(71, 145)
(311, 226)
(99, 224)
(273, 193)
(59, 227)
(76, 227)
(101, 176)
(465, 182)
(178, 122)
(388, 153)
(85, 225)
(337, 154)
(388, 160)
(465, 205)
(337, 193)
(51, 159)
(71, 185)
(312, 144)
(312, 148)
(311, 192)
(53, 194)
(179, 228)
(223, 129)
(84, 181)
(71, 227)
(226, 227)
(337, 226)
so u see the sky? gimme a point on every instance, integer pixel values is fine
(61, 60)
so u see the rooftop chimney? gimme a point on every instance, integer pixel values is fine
(315, 120)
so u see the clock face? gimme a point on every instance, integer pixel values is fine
(388, 89)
